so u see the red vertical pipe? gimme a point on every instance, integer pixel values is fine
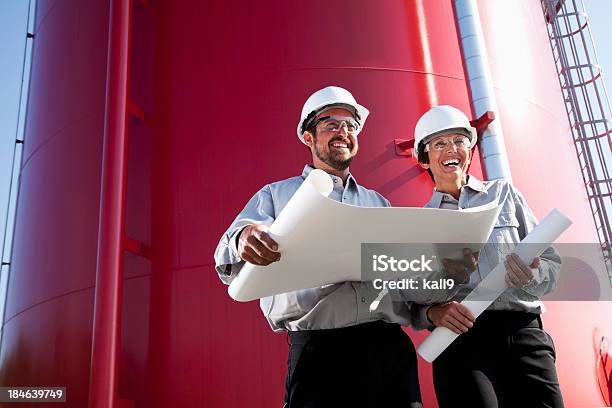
(109, 272)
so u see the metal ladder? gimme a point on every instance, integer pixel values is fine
(588, 108)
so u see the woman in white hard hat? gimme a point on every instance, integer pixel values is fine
(504, 357)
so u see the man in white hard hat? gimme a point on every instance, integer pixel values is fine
(341, 354)
(504, 357)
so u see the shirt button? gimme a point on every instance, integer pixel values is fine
(362, 300)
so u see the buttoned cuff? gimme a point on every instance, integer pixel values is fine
(533, 287)
(234, 241)
(420, 320)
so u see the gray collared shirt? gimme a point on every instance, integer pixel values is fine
(515, 221)
(327, 307)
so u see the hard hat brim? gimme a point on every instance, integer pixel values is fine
(473, 135)
(360, 111)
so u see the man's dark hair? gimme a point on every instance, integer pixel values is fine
(312, 129)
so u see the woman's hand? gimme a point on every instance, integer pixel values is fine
(452, 315)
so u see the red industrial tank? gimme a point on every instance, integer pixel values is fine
(216, 89)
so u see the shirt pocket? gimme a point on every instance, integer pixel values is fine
(502, 240)
(506, 229)
(507, 220)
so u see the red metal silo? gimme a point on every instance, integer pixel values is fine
(216, 88)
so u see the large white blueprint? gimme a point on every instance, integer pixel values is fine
(320, 239)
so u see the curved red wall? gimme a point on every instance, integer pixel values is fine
(545, 168)
(222, 84)
(47, 324)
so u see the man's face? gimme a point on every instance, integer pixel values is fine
(334, 147)
(451, 162)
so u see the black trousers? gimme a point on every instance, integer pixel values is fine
(368, 365)
(505, 360)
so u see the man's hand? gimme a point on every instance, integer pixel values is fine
(256, 246)
(460, 271)
(518, 274)
(452, 315)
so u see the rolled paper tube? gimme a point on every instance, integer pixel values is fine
(491, 287)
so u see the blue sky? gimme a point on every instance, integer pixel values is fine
(13, 29)
(600, 15)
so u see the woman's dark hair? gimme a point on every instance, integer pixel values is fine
(424, 158)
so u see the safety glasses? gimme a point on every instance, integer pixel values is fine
(460, 142)
(335, 123)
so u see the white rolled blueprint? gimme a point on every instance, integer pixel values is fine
(320, 239)
(536, 242)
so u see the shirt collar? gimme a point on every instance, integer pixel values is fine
(475, 184)
(350, 181)
(435, 200)
(472, 182)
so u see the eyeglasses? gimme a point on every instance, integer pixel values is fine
(335, 123)
(442, 144)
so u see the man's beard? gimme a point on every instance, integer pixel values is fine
(329, 158)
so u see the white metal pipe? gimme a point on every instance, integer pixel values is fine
(492, 148)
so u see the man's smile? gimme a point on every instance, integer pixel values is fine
(340, 145)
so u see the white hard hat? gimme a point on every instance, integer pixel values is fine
(440, 120)
(330, 97)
